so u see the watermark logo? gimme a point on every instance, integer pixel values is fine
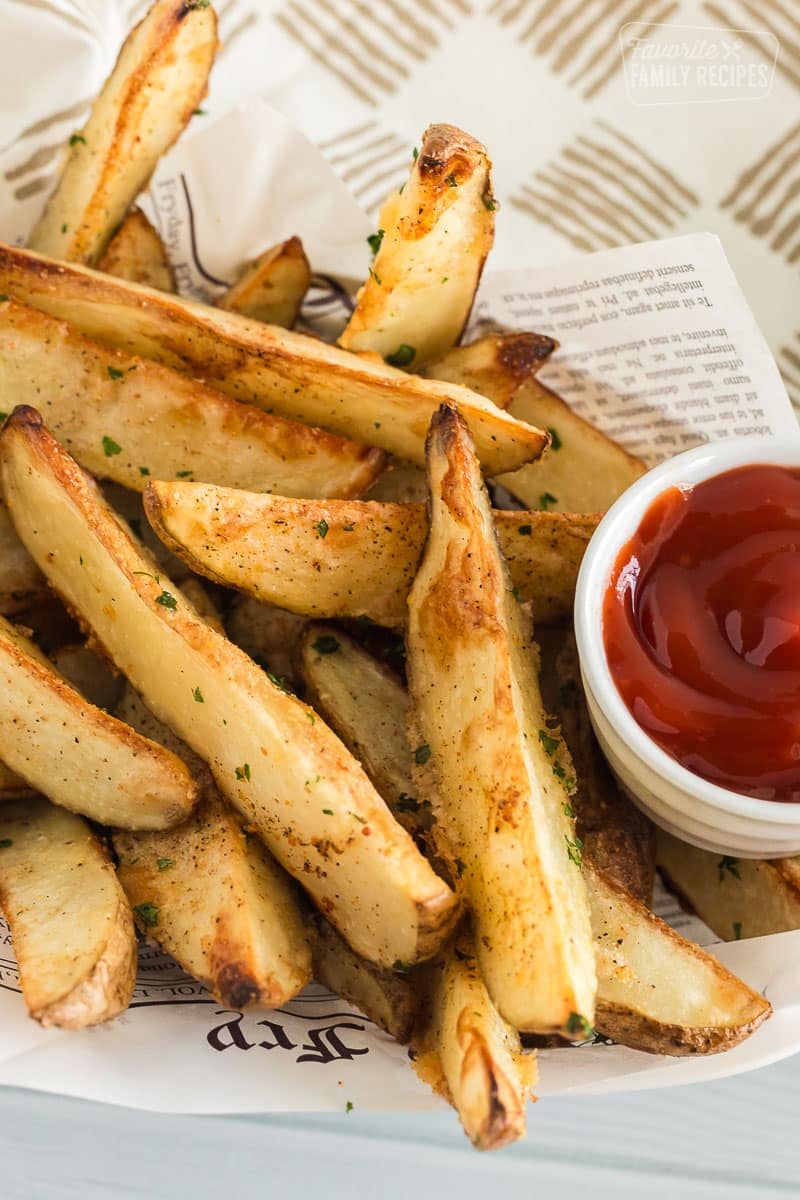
(693, 64)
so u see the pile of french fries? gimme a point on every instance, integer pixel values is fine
(295, 725)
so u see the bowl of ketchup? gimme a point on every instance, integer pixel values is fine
(687, 617)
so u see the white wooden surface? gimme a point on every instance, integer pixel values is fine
(736, 1139)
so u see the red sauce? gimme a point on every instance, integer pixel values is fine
(701, 624)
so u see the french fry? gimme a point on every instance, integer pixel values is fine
(435, 234)
(349, 559)
(270, 635)
(367, 706)
(495, 365)
(501, 813)
(136, 252)
(210, 894)
(127, 418)
(736, 897)
(70, 922)
(76, 754)
(159, 79)
(21, 581)
(465, 1047)
(657, 991)
(618, 837)
(583, 471)
(289, 373)
(389, 998)
(272, 288)
(271, 755)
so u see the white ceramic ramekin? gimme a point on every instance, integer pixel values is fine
(682, 803)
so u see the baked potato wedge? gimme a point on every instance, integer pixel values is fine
(136, 252)
(76, 754)
(367, 706)
(736, 897)
(501, 813)
(349, 559)
(495, 365)
(583, 470)
(617, 835)
(435, 234)
(657, 991)
(466, 1051)
(288, 373)
(21, 581)
(276, 761)
(71, 925)
(126, 418)
(272, 288)
(158, 80)
(210, 894)
(89, 674)
(270, 635)
(389, 998)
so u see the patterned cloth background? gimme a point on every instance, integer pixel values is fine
(579, 165)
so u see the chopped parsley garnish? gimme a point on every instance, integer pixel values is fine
(164, 864)
(731, 865)
(490, 203)
(374, 240)
(5, 843)
(403, 355)
(243, 772)
(348, 528)
(114, 372)
(144, 470)
(312, 718)
(575, 851)
(422, 754)
(183, 474)
(546, 499)
(326, 643)
(322, 528)
(578, 1026)
(515, 593)
(328, 812)
(737, 930)
(167, 600)
(3, 416)
(569, 811)
(398, 965)
(348, 1108)
(461, 866)
(415, 154)
(198, 696)
(451, 179)
(110, 447)
(377, 278)
(76, 138)
(525, 530)
(147, 914)
(4, 297)
(279, 683)
(548, 741)
(199, 112)
(555, 441)
(64, 227)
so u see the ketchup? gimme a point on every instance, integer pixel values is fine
(701, 625)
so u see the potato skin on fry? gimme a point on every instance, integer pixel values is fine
(70, 922)
(136, 252)
(276, 369)
(159, 79)
(78, 755)
(272, 757)
(437, 232)
(354, 559)
(129, 419)
(501, 813)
